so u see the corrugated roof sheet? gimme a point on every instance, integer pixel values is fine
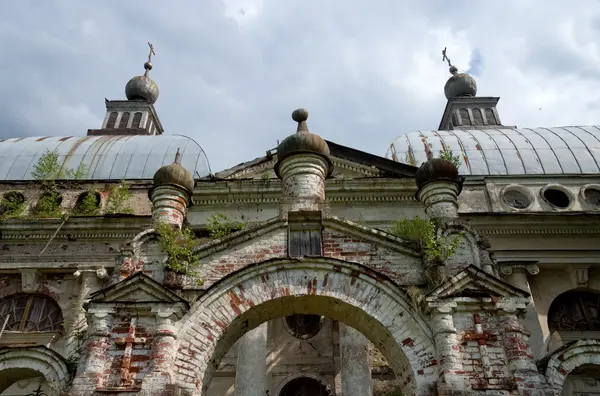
(104, 157)
(523, 151)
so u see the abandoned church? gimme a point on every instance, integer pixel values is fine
(466, 261)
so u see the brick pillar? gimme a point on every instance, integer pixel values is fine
(448, 352)
(169, 204)
(303, 181)
(517, 274)
(440, 199)
(251, 367)
(93, 362)
(160, 374)
(521, 362)
(354, 361)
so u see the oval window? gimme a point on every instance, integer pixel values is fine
(516, 198)
(557, 197)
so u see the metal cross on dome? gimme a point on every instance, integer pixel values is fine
(151, 52)
(445, 57)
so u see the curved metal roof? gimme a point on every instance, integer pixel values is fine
(525, 151)
(104, 157)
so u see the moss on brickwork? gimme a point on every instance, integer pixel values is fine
(179, 245)
(117, 199)
(220, 225)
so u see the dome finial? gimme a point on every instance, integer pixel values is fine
(142, 87)
(177, 157)
(459, 84)
(300, 116)
(148, 63)
(453, 70)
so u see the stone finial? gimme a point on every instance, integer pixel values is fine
(303, 164)
(172, 193)
(439, 186)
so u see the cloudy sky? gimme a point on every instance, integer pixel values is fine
(230, 72)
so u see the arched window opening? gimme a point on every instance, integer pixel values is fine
(490, 117)
(137, 120)
(575, 310)
(464, 117)
(124, 120)
(31, 313)
(478, 117)
(112, 120)
(305, 386)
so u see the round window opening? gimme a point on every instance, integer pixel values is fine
(592, 196)
(305, 386)
(303, 326)
(557, 197)
(515, 198)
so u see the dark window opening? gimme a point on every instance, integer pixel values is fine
(575, 310)
(112, 119)
(305, 386)
(478, 117)
(557, 197)
(464, 117)
(124, 120)
(305, 242)
(137, 120)
(490, 117)
(304, 326)
(30, 312)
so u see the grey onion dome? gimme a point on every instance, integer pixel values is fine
(303, 141)
(459, 84)
(175, 174)
(142, 87)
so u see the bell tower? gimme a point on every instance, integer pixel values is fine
(136, 115)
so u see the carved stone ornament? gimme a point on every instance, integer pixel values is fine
(509, 268)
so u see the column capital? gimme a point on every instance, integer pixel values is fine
(510, 267)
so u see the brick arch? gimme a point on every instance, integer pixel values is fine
(25, 361)
(565, 361)
(343, 291)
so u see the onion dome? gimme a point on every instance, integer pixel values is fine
(436, 169)
(460, 84)
(175, 174)
(302, 141)
(142, 87)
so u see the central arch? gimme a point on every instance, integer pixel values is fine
(343, 291)
(22, 363)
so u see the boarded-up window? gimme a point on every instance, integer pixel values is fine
(305, 241)
(490, 117)
(137, 120)
(124, 120)
(464, 117)
(478, 117)
(30, 312)
(112, 119)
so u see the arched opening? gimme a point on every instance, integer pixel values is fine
(345, 292)
(305, 386)
(575, 369)
(23, 370)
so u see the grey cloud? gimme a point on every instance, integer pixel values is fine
(232, 86)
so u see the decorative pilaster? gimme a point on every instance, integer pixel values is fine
(354, 361)
(303, 165)
(92, 365)
(439, 187)
(251, 367)
(516, 274)
(172, 193)
(449, 355)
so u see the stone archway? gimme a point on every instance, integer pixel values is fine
(343, 291)
(24, 363)
(565, 361)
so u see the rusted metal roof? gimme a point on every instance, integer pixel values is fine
(523, 151)
(104, 157)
